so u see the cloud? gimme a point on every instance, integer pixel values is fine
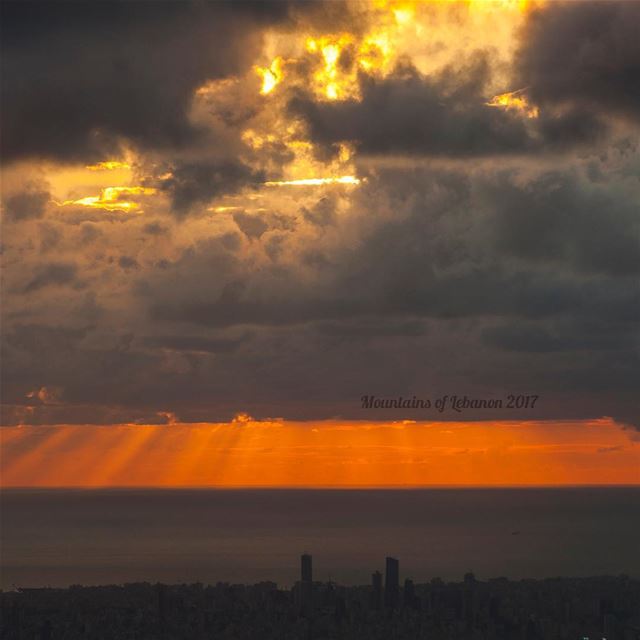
(117, 69)
(252, 226)
(155, 229)
(27, 204)
(128, 262)
(322, 213)
(630, 419)
(585, 54)
(45, 395)
(50, 237)
(51, 274)
(367, 328)
(446, 114)
(560, 217)
(409, 113)
(89, 232)
(482, 251)
(196, 344)
(458, 245)
(191, 184)
(559, 334)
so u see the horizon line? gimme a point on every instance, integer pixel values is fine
(392, 487)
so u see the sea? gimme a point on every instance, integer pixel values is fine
(60, 537)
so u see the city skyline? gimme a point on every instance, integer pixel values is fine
(565, 608)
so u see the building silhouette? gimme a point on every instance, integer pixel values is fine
(494, 609)
(306, 585)
(409, 594)
(306, 564)
(391, 583)
(376, 595)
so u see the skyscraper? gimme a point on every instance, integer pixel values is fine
(306, 568)
(391, 583)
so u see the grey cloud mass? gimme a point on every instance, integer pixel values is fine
(78, 76)
(27, 204)
(196, 183)
(583, 53)
(483, 252)
(446, 115)
(50, 274)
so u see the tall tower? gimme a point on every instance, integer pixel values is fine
(306, 568)
(391, 583)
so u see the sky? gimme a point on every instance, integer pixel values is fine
(224, 224)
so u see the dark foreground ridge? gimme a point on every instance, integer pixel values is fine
(602, 608)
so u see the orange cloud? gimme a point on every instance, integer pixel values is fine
(276, 453)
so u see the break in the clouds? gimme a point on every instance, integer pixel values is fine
(215, 208)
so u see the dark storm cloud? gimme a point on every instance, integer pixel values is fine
(578, 61)
(297, 374)
(583, 53)
(77, 75)
(255, 225)
(155, 229)
(51, 274)
(196, 183)
(43, 356)
(365, 329)
(530, 275)
(440, 115)
(414, 114)
(322, 213)
(50, 237)
(460, 246)
(41, 337)
(560, 334)
(422, 279)
(252, 226)
(629, 420)
(428, 280)
(28, 204)
(89, 232)
(558, 217)
(471, 292)
(128, 262)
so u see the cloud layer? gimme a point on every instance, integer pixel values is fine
(479, 247)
